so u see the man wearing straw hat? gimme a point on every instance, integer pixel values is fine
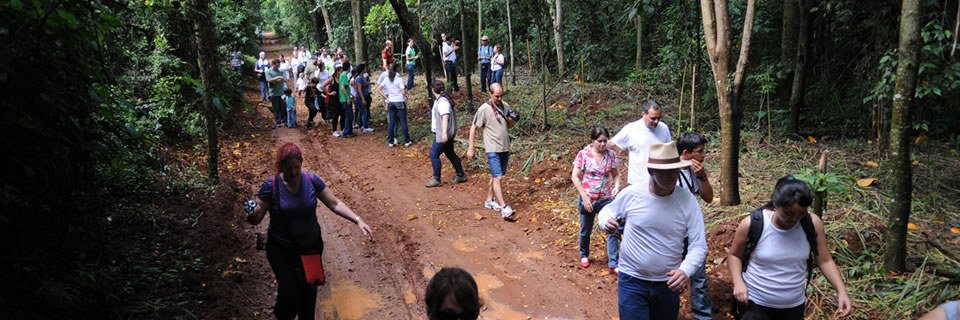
(657, 216)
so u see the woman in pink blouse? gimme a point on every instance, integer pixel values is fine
(597, 180)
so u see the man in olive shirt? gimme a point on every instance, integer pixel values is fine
(494, 117)
(275, 77)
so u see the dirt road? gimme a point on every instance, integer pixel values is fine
(417, 232)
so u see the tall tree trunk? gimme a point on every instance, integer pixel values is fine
(556, 14)
(331, 42)
(901, 173)
(513, 69)
(313, 12)
(206, 38)
(411, 26)
(467, 52)
(359, 47)
(639, 24)
(799, 86)
(788, 48)
(716, 27)
(479, 31)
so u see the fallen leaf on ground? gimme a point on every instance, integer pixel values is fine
(873, 163)
(912, 226)
(865, 182)
(411, 217)
(477, 216)
(920, 139)
(916, 163)
(955, 230)
(533, 219)
(812, 139)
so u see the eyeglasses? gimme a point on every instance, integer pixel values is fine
(498, 96)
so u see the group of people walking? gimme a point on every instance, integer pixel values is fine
(654, 226)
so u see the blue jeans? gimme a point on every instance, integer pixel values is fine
(451, 68)
(410, 67)
(397, 111)
(485, 76)
(291, 117)
(586, 228)
(347, 118)
(642, 300)
(264, 90)
(364, 112)
(497, 77)
(699, 299)
(446, 149)
(498, 163)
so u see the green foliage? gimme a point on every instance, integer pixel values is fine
(824, 181)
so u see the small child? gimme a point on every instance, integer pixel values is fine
(301, 84)
(291, 107)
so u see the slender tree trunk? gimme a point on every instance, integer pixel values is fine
(479, 31)
(788, 48)
(716, 25)
(798, 87)
(359, 47)
(467, 52)
(206, 38)
(901, 173)
(331, 42)
(956, 28)
(556, 14)
(513, 63)
(411, 26)
(315, 18)
(639, 24)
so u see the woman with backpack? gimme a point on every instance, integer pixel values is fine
(291, 199)
(769, 257)
(496, 66)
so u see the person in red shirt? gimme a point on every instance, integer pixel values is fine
(387, 55)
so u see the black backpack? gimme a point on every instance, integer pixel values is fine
(756, 228)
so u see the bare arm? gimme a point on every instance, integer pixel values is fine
(584, 198)
(341, 209)
(443, 127)
(473, 134)
(258, 213)
(829, 268)
(616, 181)
(735, 263)
(706, 190)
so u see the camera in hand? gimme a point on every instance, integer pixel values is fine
(513, 115)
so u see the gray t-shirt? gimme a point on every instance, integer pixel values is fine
(496, 138)
(441, 107)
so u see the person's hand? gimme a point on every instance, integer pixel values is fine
(365, 228)
(587, 205)
(843, 304)
(678, 280)
(696, 166)
(614, 192)
(443, 138)
(740, 292)
(612, 226)
(470, 153)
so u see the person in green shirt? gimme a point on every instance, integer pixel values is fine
(345, 100)
(275, 77)
(411, 55)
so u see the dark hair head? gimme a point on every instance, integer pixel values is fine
(315, 81)
(287, 91)
(393, 71)
(287, 152)
(346, 66)
(649, 104)
(689, 141)
(438, 86)
(598, 131)
(457, 283)
(789, 191)
(275, 61)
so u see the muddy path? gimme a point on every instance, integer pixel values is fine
(417, 231)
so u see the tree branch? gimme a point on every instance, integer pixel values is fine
(744, 45)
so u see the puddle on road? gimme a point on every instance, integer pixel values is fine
(349, 302)
(465, 244)
(492, 309)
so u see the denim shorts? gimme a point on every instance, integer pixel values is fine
(498, 162)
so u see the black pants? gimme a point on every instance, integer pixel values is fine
(451, 68)
(279, 110)
(322, 107)
(757, 312)
(295, 299)
(335, 112)
(310, 102)
(484, 76)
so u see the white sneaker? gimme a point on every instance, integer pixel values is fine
(507, 212)
(407, 144)
(367, 129)
(336, 133)
(492, 205)
(391, 145)
(395, 141)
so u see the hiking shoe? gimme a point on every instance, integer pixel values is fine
(459, 179)
(367, 129)
(508, 213)
(492, 205)
(391, 145)
(407, 144)
(433, 183)
(350, 135)
(336, 133)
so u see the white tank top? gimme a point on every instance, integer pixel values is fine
(777, 273)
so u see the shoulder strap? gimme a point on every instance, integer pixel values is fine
(808, 229)
(753, 236)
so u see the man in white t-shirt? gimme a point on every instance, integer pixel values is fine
(636, 137)
(450, 47)
(656, 217)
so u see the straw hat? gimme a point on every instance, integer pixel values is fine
(665, 156)
(484, 38)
